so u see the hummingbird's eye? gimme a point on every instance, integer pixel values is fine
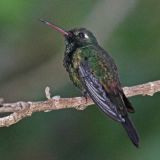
(81, 35)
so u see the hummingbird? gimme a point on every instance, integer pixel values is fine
(94, 72)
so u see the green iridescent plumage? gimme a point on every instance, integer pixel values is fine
(100, 63)
(94, 72)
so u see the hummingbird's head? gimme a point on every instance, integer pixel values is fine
(80, 37)
(75, 37)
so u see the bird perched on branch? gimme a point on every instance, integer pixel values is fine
(94, 72)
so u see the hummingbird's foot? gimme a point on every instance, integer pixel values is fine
(81, 107)
(84, 105)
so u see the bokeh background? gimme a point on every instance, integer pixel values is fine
(31, 58)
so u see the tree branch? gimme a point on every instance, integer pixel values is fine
(20, 110)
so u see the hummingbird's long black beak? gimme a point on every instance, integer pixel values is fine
(55, 27)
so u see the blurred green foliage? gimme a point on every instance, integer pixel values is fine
(31, 58)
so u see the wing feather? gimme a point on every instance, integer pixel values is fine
(97, 92)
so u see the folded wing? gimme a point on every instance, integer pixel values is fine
(97, 92)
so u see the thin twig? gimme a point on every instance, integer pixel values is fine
(20, 110)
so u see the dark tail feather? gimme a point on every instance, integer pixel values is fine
(131, 131)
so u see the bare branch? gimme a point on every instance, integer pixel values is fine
(20, 110)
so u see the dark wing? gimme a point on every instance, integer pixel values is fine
(97, 92)
(112, 84)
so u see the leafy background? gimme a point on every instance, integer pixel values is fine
(31, 58)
